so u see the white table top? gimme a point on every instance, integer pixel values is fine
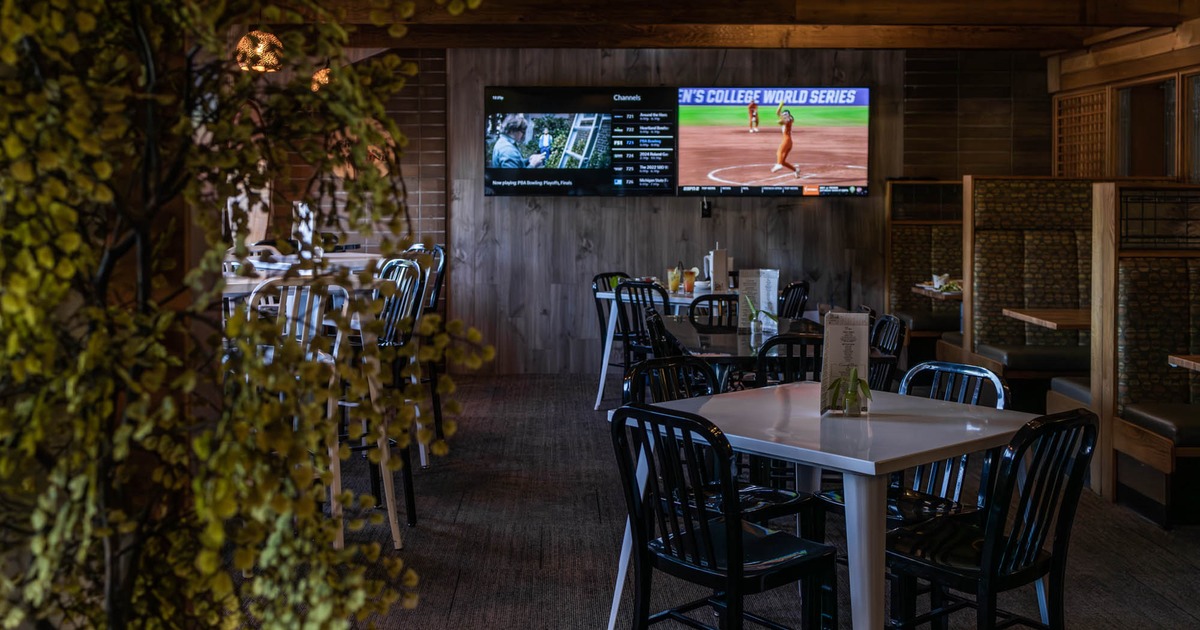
(899, 431)
(676, 299)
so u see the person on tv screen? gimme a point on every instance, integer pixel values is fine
(752, 111)
(507, 151)
(785, 144)
(545, 142)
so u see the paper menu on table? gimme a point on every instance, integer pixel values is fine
(847, 345)
(761, 286)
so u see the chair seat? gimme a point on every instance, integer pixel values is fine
(951, 544)
(904, 506)
(763, 549)
(1039, 358)
(1178, 422)
(761, 503)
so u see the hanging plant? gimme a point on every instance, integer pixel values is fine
(142, 482)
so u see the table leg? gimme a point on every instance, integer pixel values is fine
(622, 571)
(866, 507)
(608, 342)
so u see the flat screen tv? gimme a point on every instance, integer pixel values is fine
(809, 141)
(579, 141)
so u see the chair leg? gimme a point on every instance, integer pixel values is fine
(937, 600)
(410, 497)
(641, 593)
(985, 610)
(1055, 611)
(389, 487)
(335, 472)
(904, 600)
(436, 400)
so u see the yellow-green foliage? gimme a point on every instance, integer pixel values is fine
(143, 482)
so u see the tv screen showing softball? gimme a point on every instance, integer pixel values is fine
(579, 141)
(809, 141)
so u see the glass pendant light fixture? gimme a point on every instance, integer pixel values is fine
(259, 51)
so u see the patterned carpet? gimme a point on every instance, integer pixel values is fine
(520, 525)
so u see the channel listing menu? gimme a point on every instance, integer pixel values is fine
(643, 149)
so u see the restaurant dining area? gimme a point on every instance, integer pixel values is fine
(462, 314)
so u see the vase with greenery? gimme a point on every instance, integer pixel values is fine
(137, 488)
(850, 393)
(756, 322)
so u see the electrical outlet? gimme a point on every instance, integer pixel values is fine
(705, 209)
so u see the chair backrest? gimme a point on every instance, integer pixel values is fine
(435, 272)
(670, 378)
(633, 299)
(787, 358)
(605, 282)
(714, 313)
(1036, 491)
(961, 383)
(682, 455)
(793, 300)
(887, 335)
(403, 306)
(956, 382)
(300, 305)
(662, 343)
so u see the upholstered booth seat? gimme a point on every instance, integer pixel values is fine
(1076, 387)
(1038, 358)
(929, 321)
(1158, 461)
(1178, 422)
(953, 337)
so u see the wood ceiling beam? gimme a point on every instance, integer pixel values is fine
(1078, 13)
(722, 36)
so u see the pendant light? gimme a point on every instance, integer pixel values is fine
(259, 51)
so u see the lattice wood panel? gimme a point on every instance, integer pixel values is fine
(1080, 134)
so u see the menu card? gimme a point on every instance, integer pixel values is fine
(847, 345)
(762, 287)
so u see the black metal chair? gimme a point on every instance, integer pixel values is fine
(787, 358)
(677, 531)
(678, 377)
(605, 282)
(662, 343)
(433, 261)
(793, 299)
(714, 313)
(397, 319)
(887, 336)
(1020, 537)
(633, 299)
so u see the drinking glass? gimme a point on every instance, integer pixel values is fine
(689, 281)
(673, 278)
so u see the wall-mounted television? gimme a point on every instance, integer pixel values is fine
(579, 141)
(807, 141)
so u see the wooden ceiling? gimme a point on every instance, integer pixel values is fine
(958, 24)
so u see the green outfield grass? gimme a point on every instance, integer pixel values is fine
(817, 116)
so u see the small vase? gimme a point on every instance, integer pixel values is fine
(756, 327)
(852, 407)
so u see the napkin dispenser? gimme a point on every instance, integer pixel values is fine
(716, 265)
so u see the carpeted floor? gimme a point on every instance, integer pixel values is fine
(519, 528)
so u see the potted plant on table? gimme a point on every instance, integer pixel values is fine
(756, 324)
(850, 393)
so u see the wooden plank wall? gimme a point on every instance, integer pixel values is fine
(521, 267)
(975, 112)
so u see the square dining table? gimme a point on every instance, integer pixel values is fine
(898, 432)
